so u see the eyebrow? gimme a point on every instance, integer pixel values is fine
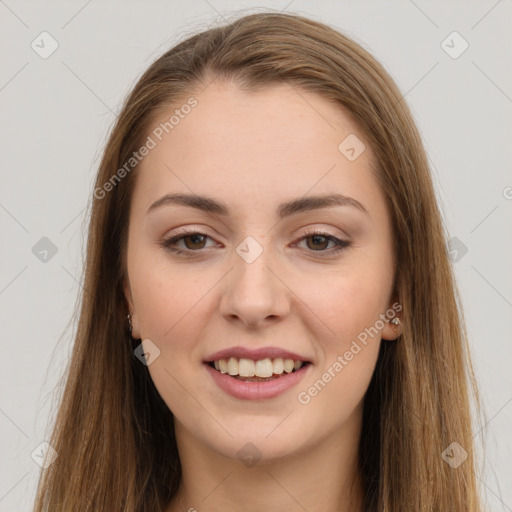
(303, 204)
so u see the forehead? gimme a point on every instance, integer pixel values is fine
(276, 141)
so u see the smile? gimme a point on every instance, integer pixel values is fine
(255, 387)
(256, 371)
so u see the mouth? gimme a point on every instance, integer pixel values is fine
(262, 370)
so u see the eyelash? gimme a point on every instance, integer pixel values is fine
(167, 244)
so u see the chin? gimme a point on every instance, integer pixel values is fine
(253, 440)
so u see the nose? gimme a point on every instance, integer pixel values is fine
(254, 292)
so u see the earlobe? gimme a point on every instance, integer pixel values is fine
(133, 326)
(393, 327)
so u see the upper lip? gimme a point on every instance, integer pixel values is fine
(254, 354)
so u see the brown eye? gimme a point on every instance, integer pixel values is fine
(192, 242)
(197, 241)
(319, 242)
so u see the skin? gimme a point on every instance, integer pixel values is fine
(252, 151)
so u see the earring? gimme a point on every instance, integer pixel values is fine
(395, 321)
(129, 321)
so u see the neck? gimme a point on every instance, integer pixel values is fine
(318, 478)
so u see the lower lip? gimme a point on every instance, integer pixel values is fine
(256, 390)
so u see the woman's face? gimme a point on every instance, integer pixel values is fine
(251, 280)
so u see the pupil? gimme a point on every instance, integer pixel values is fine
(316, 237)
(194, 237)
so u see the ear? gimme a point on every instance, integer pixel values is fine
(132, 311)
(392, 331)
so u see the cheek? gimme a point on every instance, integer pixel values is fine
(171, 308)
(348, 356)
(352, 354)
(349, 303)
(166, 298)
(351, 306)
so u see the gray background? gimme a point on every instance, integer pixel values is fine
(55, 116)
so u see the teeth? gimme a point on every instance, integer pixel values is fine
(288, 365)
(278, 366)
(223, 366)
(246, 368)
(233, 366)
(262, 368)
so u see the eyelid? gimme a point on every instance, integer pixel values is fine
(311, 230)
(308, 231)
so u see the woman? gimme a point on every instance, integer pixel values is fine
(269, 318)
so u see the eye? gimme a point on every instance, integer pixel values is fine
(194, 241)
(319, 240)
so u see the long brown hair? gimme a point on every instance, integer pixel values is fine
(113, 432)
